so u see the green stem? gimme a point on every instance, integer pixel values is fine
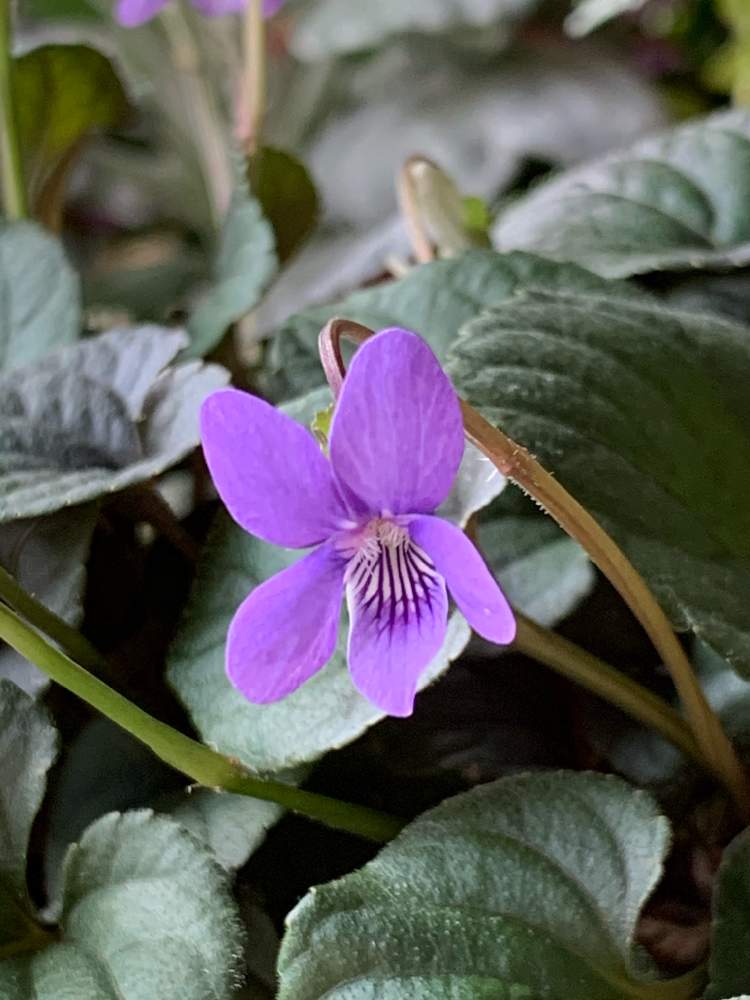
(14, 192)
(70, 639)
(198, 762)
(603, 680)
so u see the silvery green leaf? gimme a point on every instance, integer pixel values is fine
(40, 305)
(96, 417)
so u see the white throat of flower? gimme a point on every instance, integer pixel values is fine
(388, 575)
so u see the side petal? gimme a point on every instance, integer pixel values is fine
(286, 630)
(130, 13)
(269, 470)
(398, 611)
(470, 583)
(397, 435)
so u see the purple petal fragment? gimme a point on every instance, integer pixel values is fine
(397, 435)
(269, 470)
(471, 584)
(398, 611)
(215, 8)
(286, 630)
(271, 6)
(130, 13)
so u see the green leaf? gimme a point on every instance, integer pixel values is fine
(97, 417)
(677, 200)
(28, 746)
(245, 265)
(61, 93)
(543, 573)
(527, 887)
(332, 27)
(327, 712)
(728, 968)
(435, 300)
(232, 826)
(40, 304)
(287, 195)
(147, 913)
(47, 556)
(641, 412)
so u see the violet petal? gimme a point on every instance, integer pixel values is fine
(398, 613)
(269, 470)
(470, 583)
(286, 630)
(131, 13)
(397, 434)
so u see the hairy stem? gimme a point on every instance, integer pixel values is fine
(515, 462)
(603, 680)
(198, 762)
(14, 191)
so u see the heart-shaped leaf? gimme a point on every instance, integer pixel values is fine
(527, 887)
(147, 912)
(641, 412)
(101, 415)
(40, 305)
(677, 200)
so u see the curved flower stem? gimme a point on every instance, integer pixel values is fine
(14, 192)
(251, 108)
(603, 680)
(199, 762)
(515, 462)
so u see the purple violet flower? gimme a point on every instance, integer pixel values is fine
(395, 446)
(131, 13)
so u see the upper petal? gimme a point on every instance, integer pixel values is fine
(133, 12)
(286, 630)
(398, 611)
(397, 435)
(269, 470)
(471, 584)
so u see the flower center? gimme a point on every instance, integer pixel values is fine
(388, 574)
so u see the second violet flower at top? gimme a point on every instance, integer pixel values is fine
(395, 447)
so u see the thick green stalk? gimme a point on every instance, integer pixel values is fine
(198, 762)
(14, 192)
